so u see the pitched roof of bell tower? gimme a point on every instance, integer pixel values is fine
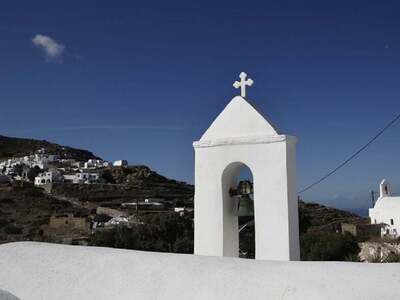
(239, 119)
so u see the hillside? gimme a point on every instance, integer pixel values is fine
(24, 209)
(17, 147)
(323, 218)
(130, 184)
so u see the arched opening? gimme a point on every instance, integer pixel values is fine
(239, 226)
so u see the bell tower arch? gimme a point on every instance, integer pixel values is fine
(241, 136)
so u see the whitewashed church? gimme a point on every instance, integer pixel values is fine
(386, 211)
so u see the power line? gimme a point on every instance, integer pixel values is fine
(390, 124)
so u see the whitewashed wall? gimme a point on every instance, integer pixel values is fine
(48, 271)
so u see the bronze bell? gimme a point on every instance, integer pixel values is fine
(244, 206)
(243, 203)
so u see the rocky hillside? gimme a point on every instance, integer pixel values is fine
(131, 184)
(17, 147)
(324, 218)
(24, 209)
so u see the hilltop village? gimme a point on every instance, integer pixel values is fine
(68, 196)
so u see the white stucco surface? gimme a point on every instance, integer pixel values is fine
(241, 137)
(239, 118)
(49, 271)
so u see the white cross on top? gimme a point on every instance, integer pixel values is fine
(243, 83)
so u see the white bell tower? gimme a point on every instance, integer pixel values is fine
(239, 137)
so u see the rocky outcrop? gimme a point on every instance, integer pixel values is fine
(380, 251)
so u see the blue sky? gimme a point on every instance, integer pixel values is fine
(141, 80)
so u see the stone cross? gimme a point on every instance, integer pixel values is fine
(243, 83)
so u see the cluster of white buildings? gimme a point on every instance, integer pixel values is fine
(40, 160)
(95, 164)
(54, 169)
(48, 177)
(83, 177)
(98, 163)
(56, 177)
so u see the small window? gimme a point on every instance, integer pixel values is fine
(391, 222)
(66, 222)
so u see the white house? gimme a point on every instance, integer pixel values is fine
(87, 178)
(120, 163)
(40, 165)
(386, 211)
(48, 177)
(95, 163)
(69, 177)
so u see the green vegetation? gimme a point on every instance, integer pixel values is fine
(328, 246)
(314, 244)
(12, 229)
(322, 242)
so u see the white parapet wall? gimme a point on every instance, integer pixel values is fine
(32, 271)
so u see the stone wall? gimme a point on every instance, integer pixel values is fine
(68, 222)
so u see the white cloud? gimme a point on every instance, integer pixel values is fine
(51, 48)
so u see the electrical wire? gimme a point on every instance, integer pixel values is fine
(355, 154)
